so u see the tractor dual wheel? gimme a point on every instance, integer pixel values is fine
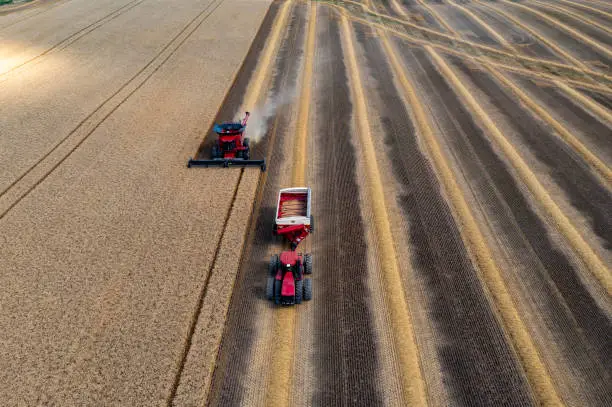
(307, 289)
(273, 265)
(270, 288)
(299, 291)
(308, 263)
(277, 291)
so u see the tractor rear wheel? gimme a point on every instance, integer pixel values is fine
(273, 264)
(299, 291)
(308, 263)
(270, 288)
(246, 154)
(308, 289)
(277, 291)
(245, 142)
(239, 154)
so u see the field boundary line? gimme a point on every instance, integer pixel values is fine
(74, 37)
(565, 226)
(574, 15)
(593, 106)
(564, 27)
(92, 122)
(600, 167)
(414, 389)
(279, 387)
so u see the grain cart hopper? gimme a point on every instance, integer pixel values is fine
(231, 147)
(286, 283)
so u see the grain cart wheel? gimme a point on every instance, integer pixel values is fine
(311, 224)
(270, 288)
(299, 290)
(308, 289)
(308, 263)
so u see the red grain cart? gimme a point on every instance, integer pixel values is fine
(293, 218)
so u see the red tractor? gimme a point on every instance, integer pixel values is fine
(230, 148)
(286, 282)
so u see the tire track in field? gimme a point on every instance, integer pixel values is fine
(411, 379)
(280, 385)
(602, 50)
(523, 344)
(589, 9)
(477, 363)
(579, 326)
(596, 212)
(345, 338)
(500, 39)
(240, 336)
(567, 136)
(66, 42)
(232, 100)
(6, 12)
(565, 226)
(453, 43)
(562, 12)
(48, 163)
(554, 47)
(602, 99)
(572, 141)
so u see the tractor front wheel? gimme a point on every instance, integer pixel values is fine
(308, 289)
(270, 288)
(299, 290)
(216, 152)
(308, 263)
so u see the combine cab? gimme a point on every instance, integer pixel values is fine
(231, 147)
(286, 284)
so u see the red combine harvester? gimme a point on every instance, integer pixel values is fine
(231, 147)
(286, 282)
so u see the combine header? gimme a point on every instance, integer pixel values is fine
(231, 147)
(286, 282)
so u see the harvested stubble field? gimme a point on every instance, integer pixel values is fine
(459, 155)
